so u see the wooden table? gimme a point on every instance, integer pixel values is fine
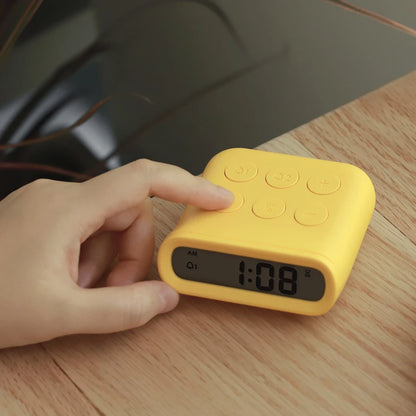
(213, 358)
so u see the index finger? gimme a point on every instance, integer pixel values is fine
(126, 187)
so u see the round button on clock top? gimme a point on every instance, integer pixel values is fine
(237, 204)
(269, 208)
(311, 213)
(243, 171)
(324, 184)
(282, 177)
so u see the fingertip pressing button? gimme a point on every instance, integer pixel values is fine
(269, 208)
(311, 214)
(237, 204)
(324, 184)
(282, 177)
(243, 171)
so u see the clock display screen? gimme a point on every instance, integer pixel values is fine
(248, 273)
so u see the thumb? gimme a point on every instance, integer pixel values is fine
(112, 309)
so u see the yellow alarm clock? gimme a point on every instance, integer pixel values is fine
(289, 240)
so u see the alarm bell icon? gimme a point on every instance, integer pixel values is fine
(190, 265)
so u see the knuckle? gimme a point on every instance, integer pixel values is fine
(43, 188)
(55, 195)
(35, 192)
(38, 184)
(142, 166)
(134, 311)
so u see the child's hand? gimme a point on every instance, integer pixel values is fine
(58, 239)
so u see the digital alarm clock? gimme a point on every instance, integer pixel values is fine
(289, 240)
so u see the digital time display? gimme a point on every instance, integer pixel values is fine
(248, 273)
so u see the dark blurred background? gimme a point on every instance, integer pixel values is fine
(187, 78)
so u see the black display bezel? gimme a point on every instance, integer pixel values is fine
(247, 273)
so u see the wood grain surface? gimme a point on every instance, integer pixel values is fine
(214, 358)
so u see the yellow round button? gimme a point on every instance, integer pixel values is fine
(243, 171)
(282, 177)
(269, 208)
(324, 184)
(237, 204)
(311, 213)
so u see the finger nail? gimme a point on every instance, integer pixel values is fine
(169, 298)
(226, 193)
